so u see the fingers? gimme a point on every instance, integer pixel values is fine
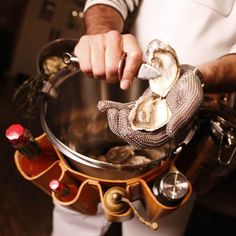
(184, 99)
(139, 139)
(99, 56)
(90, 52)
(114, 51)
(119, 124)
(133, 60)
(105, 105)
(83, 52)
(112, 117)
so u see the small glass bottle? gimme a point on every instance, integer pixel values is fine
(34, 158)
(63, 192)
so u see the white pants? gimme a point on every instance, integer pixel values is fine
(70, 223)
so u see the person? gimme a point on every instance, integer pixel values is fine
(203, 34)
(191, 27)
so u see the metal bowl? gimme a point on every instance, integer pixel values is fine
(70, 118)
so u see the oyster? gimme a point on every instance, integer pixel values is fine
(149, 113)
(119, 154)
(138, 160)
(53, 64)
(162, 57)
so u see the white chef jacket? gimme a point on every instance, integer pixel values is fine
(199, 30)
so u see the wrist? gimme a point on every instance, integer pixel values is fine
(101, 19)
(197, 71)
(207, 75)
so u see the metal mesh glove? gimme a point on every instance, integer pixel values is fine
(184, 100)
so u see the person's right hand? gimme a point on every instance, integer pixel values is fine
(99, 56)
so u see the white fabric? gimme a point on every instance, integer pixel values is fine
(70, 223)
(199, 30)
(67, 222)
(173, 224)
(124, 7)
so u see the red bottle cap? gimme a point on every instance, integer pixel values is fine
(14, 132)
(55, 185)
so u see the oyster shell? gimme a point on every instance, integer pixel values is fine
(139, 160)
(149, 113)
(162, 57)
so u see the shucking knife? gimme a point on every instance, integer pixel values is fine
(146, 71)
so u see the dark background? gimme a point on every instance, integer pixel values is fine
(24, 209)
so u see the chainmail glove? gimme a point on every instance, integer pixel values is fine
(184, 100)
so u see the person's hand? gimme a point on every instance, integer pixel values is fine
(184, 100)
(99, 56)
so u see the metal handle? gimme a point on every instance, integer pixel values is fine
(219, 158)
(225, 137)
(152, 225)
(69, 58)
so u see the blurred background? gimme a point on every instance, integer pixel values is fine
(25, 27)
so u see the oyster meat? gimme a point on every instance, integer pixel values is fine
(149, 113)
(127, 155)
(53, 64)
(139, 160)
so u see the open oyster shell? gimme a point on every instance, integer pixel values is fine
(162, 57)
(151, 111)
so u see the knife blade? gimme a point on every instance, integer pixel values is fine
(146, 71)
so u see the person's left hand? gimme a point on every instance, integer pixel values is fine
(184, 100)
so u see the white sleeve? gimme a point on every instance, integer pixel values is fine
(123, 6)
(233, 49)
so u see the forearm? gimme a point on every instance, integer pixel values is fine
(101, 19)
(220, 75)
